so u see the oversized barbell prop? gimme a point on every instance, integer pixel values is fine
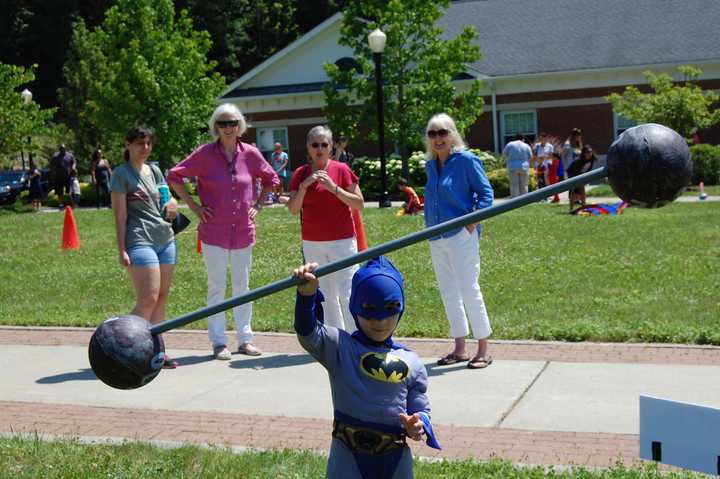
(648, 166)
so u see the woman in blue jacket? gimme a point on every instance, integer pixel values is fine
(457, 185)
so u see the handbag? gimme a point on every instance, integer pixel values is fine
(180, 223)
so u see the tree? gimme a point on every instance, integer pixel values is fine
(418, 72)
(146, 66)
(18, 121)
(684, 106)
(244, 32)
(83, 70)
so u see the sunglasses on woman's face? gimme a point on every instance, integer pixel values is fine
(442, 133)
(227, 123)
(319, 145)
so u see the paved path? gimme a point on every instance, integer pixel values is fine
(539, 403)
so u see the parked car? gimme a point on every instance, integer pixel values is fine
(12, 183)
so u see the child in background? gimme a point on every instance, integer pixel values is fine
(378, 386)
(555, 172)
(412, 204)
(36, 190)
(74, 189)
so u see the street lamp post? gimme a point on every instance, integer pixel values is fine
(27, 98)
(376, 40)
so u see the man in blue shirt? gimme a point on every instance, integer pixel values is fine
(518, 155)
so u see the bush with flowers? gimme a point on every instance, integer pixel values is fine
(368, 170)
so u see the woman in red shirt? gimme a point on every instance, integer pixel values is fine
(323, 191)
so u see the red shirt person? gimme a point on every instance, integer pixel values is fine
(323, 192)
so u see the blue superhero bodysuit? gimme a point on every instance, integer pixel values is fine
(371, 382)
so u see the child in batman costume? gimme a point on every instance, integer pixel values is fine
(378, 386)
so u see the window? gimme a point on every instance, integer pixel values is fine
(517, 122)
(622, 124)
(267, 137)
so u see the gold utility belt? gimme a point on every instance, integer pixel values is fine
(366, 440)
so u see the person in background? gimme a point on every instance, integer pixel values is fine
(542, 151)
(571, 148)
(61, 164)
(412, 204)
(36, 189)
(100, 171)
(518, 154)
(226, 171)
(555, 172)
(145, 240)
(583, 164)
(74, 189)
(340, 152)
(457, 185)
(280, 163)
(324, 191)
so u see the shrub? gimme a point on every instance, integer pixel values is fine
(88, 196)
(490, 161)
(368, 170)
(706, 164)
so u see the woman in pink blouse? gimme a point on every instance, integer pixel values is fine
(226, 171)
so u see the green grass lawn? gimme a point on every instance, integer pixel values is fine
(605, 191)
(30, 458)
(646, 275)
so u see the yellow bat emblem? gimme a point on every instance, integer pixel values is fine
(385, 367)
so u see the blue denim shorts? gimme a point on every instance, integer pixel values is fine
(147, 256)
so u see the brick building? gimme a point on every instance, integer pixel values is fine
(546, 66)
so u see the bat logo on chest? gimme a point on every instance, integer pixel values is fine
(385, 367)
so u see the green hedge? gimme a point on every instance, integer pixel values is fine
(88, 196)
(368, 170)
(706, 164)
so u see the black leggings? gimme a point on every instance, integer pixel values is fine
(102, 193)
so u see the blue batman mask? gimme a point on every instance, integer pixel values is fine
(377, 292)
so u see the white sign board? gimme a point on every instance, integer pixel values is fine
(680, 434)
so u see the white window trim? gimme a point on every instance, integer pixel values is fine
(271, 127)
(513, 112)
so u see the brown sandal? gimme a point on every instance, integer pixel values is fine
(480, 363)
(451, 358)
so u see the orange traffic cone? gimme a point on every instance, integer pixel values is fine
(359, 230)
(70, 238)
(198, 246)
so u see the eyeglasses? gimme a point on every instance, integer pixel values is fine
(442, 133)
(227, 123)
(320, 145)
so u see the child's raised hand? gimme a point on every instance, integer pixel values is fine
(414, 426)
(310, 285)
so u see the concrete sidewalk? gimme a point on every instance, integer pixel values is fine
(538, 403)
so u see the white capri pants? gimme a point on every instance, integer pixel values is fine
(456, 261)
(216, 262)
(335, 287)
